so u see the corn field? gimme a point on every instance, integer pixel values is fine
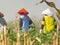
(12, 35)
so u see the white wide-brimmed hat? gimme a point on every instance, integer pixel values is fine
(48, 11)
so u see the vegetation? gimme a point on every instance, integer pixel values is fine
(33, 33)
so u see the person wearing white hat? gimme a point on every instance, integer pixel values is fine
(48, 22)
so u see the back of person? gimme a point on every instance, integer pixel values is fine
(25, 19)
(24, 23)
(49, 23)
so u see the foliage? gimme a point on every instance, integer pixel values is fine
(33, 32)
(46, 37)
(12, 36)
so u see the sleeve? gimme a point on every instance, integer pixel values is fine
(21, 17)
(55, 23)
(42, 23)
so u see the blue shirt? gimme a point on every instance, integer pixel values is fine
(25, 22)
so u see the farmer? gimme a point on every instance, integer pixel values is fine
(25, 19)
(48, 22)
(2, 20)
(24, 23)
(2, 23)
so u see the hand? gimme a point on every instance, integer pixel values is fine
(40, 30)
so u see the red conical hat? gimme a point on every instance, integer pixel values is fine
(22, 11)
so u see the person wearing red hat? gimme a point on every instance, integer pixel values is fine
(2, 23)
(25, 22)
(2, 20)
(1, 14)
(23, 14)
